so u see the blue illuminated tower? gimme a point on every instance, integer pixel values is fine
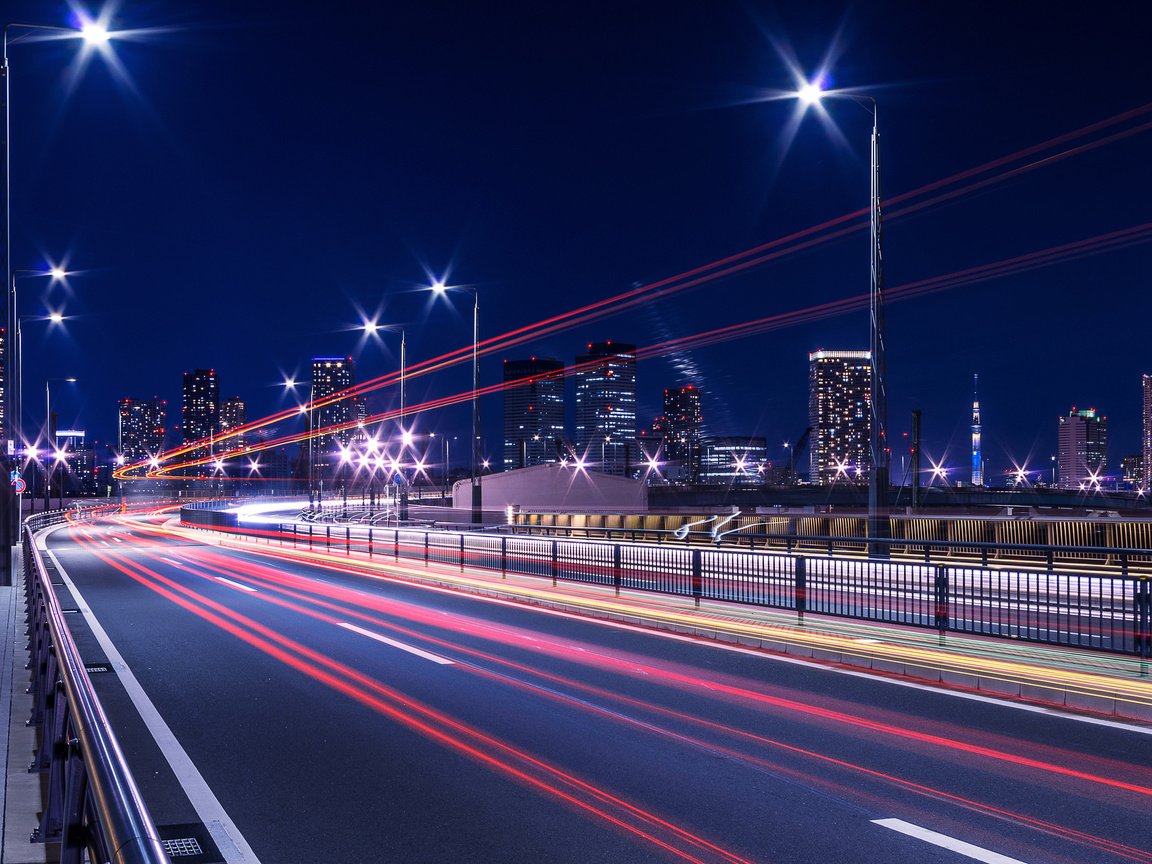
(977, 461)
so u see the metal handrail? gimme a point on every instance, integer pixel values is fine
(93, 803)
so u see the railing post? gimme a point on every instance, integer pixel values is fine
(555, 562)
(369, 542)
(801, 570)
(942, 598)
(310, 527)
(347, 539)
(1143, 618)
(327, 538)
(697, 576)
(461, 553)
(503, 557)
(616, 568)
(425, 548)
(396, 545)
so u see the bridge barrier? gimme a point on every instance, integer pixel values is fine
(93, 810)
(981, 594)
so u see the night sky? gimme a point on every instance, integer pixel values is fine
(262, 174)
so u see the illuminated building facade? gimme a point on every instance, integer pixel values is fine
(201, 410)
(233, 415)
(733, 460)
(142, 428)
(331, 375)
(682, 425)
(4, 432)
(606, 407)
(533, 411)
(1082, 450)
(839, 412)
(1146, 438)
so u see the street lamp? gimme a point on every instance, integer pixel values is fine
(50, 438)
(93, 33)
(290, 384)
(810, 93)
(438, 288)
(371, 327)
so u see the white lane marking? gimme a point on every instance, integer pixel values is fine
(411, 649)
(235, 584)
(797, 661)
(230, 841)
(978, 853)
(117, 539)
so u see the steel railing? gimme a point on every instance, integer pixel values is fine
(93, 809)
(1048, 603)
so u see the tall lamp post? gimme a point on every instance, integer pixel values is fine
(50, 438)
(371, 327)
(93, 33)
(477, 490)
(879, 527)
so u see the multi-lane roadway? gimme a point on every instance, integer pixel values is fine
(298, 710)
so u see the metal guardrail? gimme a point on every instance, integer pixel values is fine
(93, 809)
(1099, 611)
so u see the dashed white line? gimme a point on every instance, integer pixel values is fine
(978, 853)
(235, 584)
(411, 649)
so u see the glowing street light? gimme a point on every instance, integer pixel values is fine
(439, 288)
(810, 93)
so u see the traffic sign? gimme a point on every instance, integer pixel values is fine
(20, 485)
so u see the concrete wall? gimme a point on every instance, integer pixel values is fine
(554, 487)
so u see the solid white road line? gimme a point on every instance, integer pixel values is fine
(231, 842)
(978, 853)
(411, 649)
(235, 584)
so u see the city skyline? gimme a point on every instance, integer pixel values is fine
(638, 168)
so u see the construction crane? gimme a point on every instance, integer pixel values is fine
(794, 454)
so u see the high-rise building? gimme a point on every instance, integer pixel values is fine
(682, 425)
(606, 407)
(839, 412)
(733, 460)
(1147, 437)
(201, 409)
(533, 411)
(4, 434)
(977, 457)
(331, 375)
(141, 428)
(233, 415)
(1132, 471)
(1083, 449)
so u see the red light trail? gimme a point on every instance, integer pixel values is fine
(732, 265)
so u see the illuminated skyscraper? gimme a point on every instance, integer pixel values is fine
(141, 428)
(533, 411)
(682, 427)
(606, 407)
(977, 458)
(733, 461)
(1083, 449)
(201, 409)
(331, 375)
(233, 414)
(839, 412)
(1146, 439)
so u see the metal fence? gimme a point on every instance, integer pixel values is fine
(1051, 603)
(93, 807)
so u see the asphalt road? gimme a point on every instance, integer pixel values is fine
(337, 717)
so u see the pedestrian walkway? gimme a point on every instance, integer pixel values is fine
(20, 796)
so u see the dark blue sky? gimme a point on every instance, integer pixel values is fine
(276, 166)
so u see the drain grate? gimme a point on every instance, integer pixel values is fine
(189, 843)
(98, 667)
(182, 847)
